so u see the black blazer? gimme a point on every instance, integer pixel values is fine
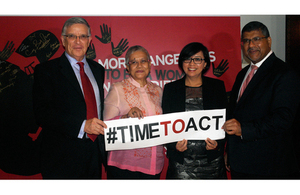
(266, 112)
(60, 109)
(214, 97)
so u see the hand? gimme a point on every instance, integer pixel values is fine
(221, 69)
(232, 127)
(91, 52)
(7, 51)
(226, 162)
(134, 113)
(120, 49)
(94, 126)
(181, 146)
(211, 144)
(106, 34)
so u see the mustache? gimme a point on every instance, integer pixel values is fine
(252, 49)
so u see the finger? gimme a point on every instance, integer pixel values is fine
(105, 27)
(131, 114)
(120, 42)
(125, 43)
(126, 48)
(181, 147)
(181, 143)
(97, 37)
(140, 115)
(208, 145)
(101, 131)
(209, 141)
(230, 132)
(221, 63)
(101, 29)
(227, 168)
(184, 141)
(103, 125)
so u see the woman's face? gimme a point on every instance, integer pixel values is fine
(139, 66)
(193, 69)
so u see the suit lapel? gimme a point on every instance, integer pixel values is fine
(261, 73)
(98, 76)
(181, 95)
(237, 84)
(68, 72)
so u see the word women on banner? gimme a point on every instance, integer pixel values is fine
(150, 131)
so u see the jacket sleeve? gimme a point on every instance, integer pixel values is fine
(54, 109)
(278, 116)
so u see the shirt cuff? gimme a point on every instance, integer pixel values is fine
(81, 132)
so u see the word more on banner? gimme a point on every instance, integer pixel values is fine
(131, 133)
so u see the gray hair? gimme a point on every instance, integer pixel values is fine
(133, 49)
(75, 20)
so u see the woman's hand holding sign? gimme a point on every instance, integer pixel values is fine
(134, 113)
(181, 146)
(211, 144)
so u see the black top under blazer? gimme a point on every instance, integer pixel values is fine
(214, 97)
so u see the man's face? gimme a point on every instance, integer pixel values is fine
(76, 47)
(256, 50)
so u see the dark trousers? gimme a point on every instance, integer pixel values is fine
(116, 173)
(84, 164)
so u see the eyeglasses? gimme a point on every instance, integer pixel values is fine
(72, 37)
(135, 62)
(196, 60)
(255, 40)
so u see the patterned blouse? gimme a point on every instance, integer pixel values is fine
(121, 98)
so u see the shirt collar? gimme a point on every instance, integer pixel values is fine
(135, 83)
(73, 61)
(258, 64)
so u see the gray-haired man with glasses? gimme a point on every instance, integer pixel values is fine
(68, 101)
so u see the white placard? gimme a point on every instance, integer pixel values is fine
(123, 134)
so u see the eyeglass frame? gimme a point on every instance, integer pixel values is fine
(247, 41)
(139, 62)
(193, 59)
(74, 37)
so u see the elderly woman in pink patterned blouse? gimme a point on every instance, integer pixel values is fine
(135, 97)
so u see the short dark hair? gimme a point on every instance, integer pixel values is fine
(255, 25)
(190, 50)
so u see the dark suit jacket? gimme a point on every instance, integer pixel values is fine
(266, 112)
(60, 109)
(214, 97)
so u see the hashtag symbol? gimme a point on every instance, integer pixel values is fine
(111, 135)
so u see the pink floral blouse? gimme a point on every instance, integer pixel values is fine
(121, 98)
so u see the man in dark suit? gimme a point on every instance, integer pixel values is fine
(61, 110)
(259, 130)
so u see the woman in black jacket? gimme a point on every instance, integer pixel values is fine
(195, 159)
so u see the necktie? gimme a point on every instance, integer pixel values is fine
(249, 77)
(89, 96)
